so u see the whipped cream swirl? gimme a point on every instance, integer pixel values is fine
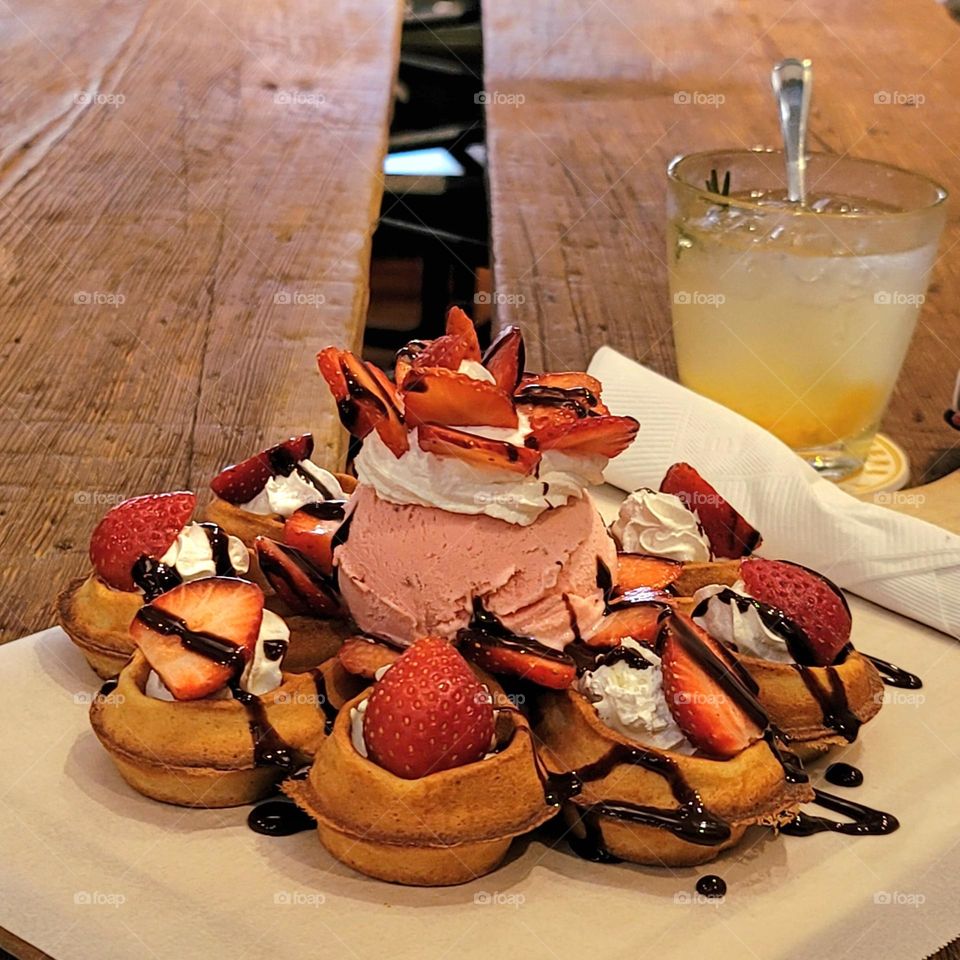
(418, 477)
(744, 629)
(261, 674)
(306, 483)
(660, 525)
(632, 702)
(191, 554)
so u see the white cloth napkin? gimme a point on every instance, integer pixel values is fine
(897, 561)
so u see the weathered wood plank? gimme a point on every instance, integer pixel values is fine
(588, 102)
(188, 192)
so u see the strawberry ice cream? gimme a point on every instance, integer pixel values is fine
(407, 571)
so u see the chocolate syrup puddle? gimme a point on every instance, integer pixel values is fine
(220, 549)
(711, 886)
(864, 821)
(279, 818)
(154, 577)
(832, 701)
(894, 676)
(843, 775)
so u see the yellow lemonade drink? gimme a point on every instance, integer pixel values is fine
(798, 320)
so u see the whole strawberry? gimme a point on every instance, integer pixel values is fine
(428, 713)
(811, 601)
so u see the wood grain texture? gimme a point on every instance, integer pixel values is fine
(583, 117)
(188, 193)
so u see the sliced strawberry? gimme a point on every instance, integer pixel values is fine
(363, 658)
(302, 586)
(572, 385)
(505, 358)
(638, 570)
(447, 351)
(366, 400)
(481, 451)
(605, 436)
(242, 481)
(811, 601)
(549, 669)
(141, 526)
(200, 634)
(709, 701)
(438, 395)
(729, 534)
(460, 325)
(637, 620)
(310, 530)
(428, 713)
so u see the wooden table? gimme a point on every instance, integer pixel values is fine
(588, 101)
(188, 193)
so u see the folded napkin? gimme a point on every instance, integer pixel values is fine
(899, 562)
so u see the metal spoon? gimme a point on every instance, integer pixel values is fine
(792, 82)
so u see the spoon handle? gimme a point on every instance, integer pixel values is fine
(792, 82)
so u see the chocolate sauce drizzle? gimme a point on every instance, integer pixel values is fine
(220, 548)
(326, 509)
(330, 712)
(776, 621)
(894, 676)
(864, 821)
(154, 577)
(274, 570)
(486, 630)
(832, 701)
(580, 400)
(269, 747)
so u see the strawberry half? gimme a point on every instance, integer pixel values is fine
(302, 586)
(460, 325)
(729, 534)
(638, 570)
(571, 384)
(141, 526)
(310, 530)
(505, 358)
(605, 436)
(366, 400)
(637, 621)
(811, 601)
(439, 395)
(199, 634)
(709, 701)
(242, 481)
(428, 713)
(554, 670)
(481, 451)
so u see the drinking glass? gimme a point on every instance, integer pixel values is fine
(799, 316)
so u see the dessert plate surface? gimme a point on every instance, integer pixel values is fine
(93, 870)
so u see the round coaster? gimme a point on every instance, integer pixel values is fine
(887, 468)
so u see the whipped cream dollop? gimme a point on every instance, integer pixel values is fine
(632, 702)
(422, 478)
(660, 525)
(306, 483)
(261, 674)
(744, 629)
(191, 554)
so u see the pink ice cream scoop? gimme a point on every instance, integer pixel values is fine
(408, 571)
